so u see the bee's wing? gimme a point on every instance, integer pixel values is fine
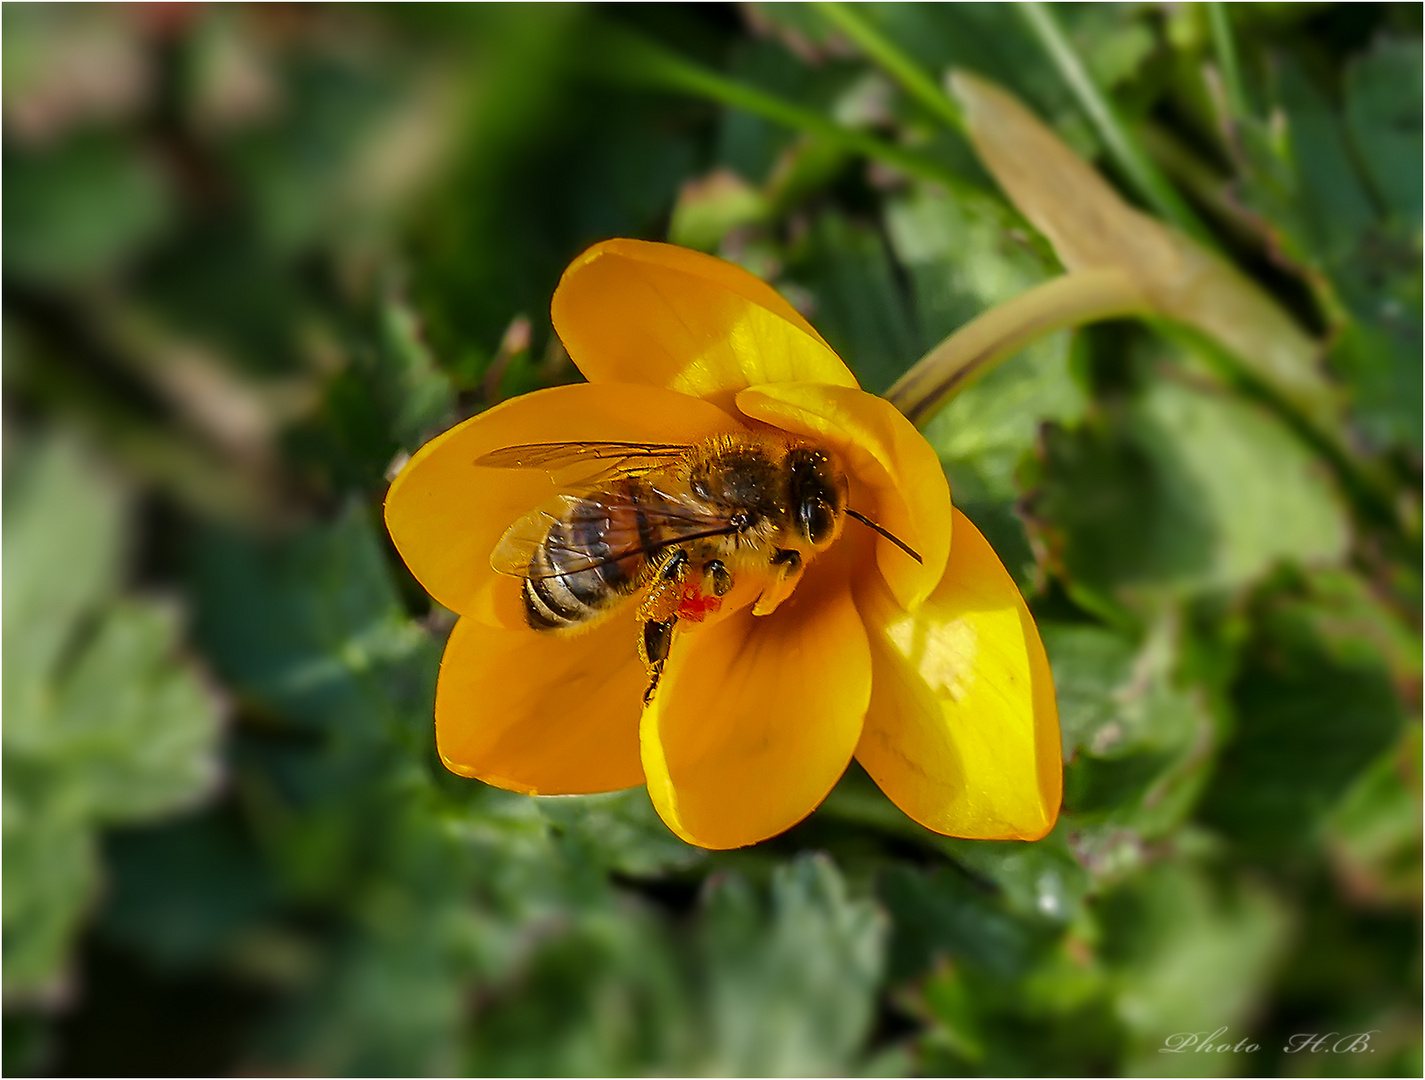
(516, 549)
(609, 527)
(586, 463)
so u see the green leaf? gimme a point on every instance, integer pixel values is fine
(1091, 664)
(1115, 42)
(1371, 248)
(52, 872)
(1138, 740)
(299, 166)
(959, 258)
(392, 396)
(63, 547)
(312, 628)
(1340, 195)
(1188, 953)
(80, 209)
(132, 732)
(604, 1000)
(183, 891)
(984, 432)
(103, 724)
(790, 992)
(1192, 491)
(1331, 204)
(710, 208)
(391, 997)
(407, 380)
(1375, 830)
(1383, 120)
(1039, 881)
(1315, 706)
(1150, 780)
(1267, 498)
(621, 831)
(218, 284)
(858, 304)
(1380, 364)
(947, 914)
(978, 1027)
(311, 635)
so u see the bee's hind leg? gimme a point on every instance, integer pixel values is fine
(653, 645)
(657, 614)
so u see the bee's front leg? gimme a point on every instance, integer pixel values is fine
(716, 579)
(657, 615)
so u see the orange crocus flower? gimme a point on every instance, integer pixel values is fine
(931, 673)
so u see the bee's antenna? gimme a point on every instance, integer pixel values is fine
(893, 539)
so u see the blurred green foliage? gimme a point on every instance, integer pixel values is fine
(254, 254)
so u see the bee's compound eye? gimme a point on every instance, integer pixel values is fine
(817, 521)
(814, 493)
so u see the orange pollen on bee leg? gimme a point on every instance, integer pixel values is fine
(695, 607)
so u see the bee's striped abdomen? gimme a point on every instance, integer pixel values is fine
(556, 596)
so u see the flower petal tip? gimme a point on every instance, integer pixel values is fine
(756, 719)
(962, 732)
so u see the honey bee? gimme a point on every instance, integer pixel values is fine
(676, 525)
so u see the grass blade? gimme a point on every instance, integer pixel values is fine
(631, 58)
(892, 60)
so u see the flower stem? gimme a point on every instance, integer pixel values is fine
(975, 348)
(884, 52)
(1137, 167)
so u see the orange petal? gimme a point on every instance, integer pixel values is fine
(539, 712)
(445, 515)
(757, 718)
(902, 484)
(631, 311)
(963, 730)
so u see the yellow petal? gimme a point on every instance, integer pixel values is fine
(631, 311)
(445, 515)
(897, 480)
(757, 718)
(963, 731)
(542, 713)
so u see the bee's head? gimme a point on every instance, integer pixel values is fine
(816, 494)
